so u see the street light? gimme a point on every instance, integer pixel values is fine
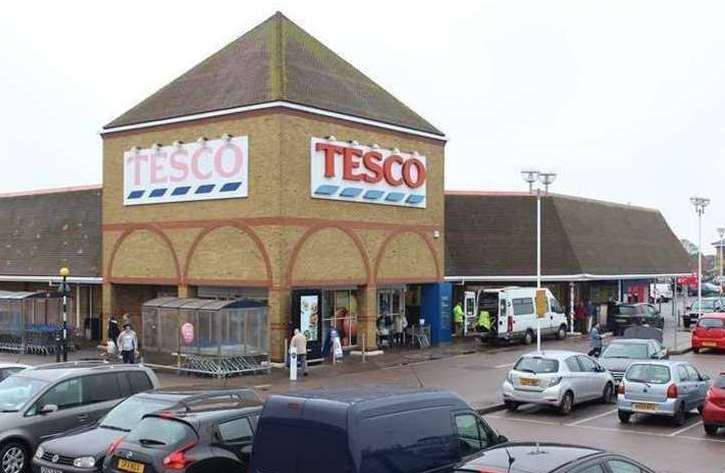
(721, 232)
(700, 203)
(530, 176)
(64, 290)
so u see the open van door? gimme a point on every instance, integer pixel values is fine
(469, 310)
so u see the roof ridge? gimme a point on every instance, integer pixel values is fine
(52, 190)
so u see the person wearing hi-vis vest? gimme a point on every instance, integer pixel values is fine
(458, 317)
(484, 321)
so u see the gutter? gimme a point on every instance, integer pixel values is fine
(561, 277)
(52, 279)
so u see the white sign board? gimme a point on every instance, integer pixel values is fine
(357, 173)
(205, 170)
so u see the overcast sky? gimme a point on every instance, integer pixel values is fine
(625, 100)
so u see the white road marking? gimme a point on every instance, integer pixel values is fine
(685, 429)
(587, 419)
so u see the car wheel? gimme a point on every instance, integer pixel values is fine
(13, 458)
(511, 405)
(624, 416)
(567, 404)
(529, 337)
(561, 334)
(608, 395)
(710, 429)
(680, 416)
(695, 350)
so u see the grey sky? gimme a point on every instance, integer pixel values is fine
(625, 99)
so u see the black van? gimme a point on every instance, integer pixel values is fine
(368, 430)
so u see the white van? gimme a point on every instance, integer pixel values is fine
(513, 313)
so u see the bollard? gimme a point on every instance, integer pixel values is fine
(293, 364)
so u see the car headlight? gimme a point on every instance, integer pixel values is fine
(84, 462)
(510, 377)
(39, 452)
(554, 381)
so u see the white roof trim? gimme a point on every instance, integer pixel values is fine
(563, 277)
(55, 279)
(277, 103)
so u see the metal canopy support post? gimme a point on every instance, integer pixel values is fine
(538, 263)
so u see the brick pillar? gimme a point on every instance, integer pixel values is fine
(279, 316)
(367, 317)
(187, 291)
(107, 308)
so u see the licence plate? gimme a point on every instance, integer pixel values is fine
(133, 467)
(644, 406)
(709, 344)
(45, 469)
(529, 381)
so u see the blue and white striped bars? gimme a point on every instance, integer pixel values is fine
(184, 190)
(370, 195)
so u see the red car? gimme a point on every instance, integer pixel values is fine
(713, 409)
(709, 332)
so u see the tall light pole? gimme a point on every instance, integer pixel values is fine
(721, 232)
(530, 176)
(64, 290)
(700, 203)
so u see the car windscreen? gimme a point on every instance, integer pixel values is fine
(626, 350)
(161, 432)
(707, 304)
(17, 390)
(711, 322)
(720, 381)
(127, 414)
(537, 365)
(626, 310)
(651, 374)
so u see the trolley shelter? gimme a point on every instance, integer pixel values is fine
(205, 336)
(30, 321)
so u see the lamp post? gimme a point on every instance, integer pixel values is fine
(700, 203)
(721, 232)
(531, 176)
(64, 290)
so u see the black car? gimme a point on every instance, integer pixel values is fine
(627, 315)
(531, 457)
(83, 450)
(211, 437)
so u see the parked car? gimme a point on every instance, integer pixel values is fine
(9, 369)
(620, 353)
(557, 378)
(51, 399)
(713, 411)
(661, 292)
(535, 457)
(709, 332)
(513, 313)
(85, 448)
(664, 388)
(709, 305)
(199, 438)
(628, 315)
(707, 289)
(368, 430)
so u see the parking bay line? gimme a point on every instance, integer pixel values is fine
(587, 419)
(685, 429)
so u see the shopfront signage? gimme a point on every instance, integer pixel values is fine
(181, 172)
(369, 174)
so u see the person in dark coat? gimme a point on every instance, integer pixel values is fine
(113, 329)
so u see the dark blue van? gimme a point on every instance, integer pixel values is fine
(368, 430)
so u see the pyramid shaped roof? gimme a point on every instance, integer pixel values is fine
(275, 61)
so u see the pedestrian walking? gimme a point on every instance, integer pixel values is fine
(299, 342)
(128, 344)
(589, 310)
(596, 340)
(399, 325)
(458, 317)
(113, 329)
(579, 317)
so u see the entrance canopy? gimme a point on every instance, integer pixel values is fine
(205, 335)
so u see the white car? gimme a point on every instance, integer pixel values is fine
(557, 378)
(9, 369)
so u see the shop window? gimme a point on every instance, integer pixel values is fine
(339, 311)
(391, 305)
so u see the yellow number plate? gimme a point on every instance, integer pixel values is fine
(709, 344)
(133, 467)
(529, 381)
(644, 406)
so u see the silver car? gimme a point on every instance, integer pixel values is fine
(557, 378)
(665, 388)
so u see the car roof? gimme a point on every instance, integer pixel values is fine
(631, 341)
(13, 365)
(54, 372)
(210, 413)
(529, 457)
(714, 315)
(669, 363)
(551, 354)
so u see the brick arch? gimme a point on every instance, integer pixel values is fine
(396, 233)
(244, 229)
(137, 228)
(325, 226)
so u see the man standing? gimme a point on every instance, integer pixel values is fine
(596, 339)
(458, 317)
(299, 342)
(128, 344)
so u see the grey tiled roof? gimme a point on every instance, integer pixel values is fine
(495, 235)
(41, 232)
(277, 60)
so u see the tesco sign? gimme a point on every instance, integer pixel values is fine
(369, 174)
(182, 172)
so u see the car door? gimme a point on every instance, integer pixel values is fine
(101, 392)
(699, 385)
(577, 377)
(472, 434)
(234, 435)
(685, 387)
(67, 396)
(592, 376)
